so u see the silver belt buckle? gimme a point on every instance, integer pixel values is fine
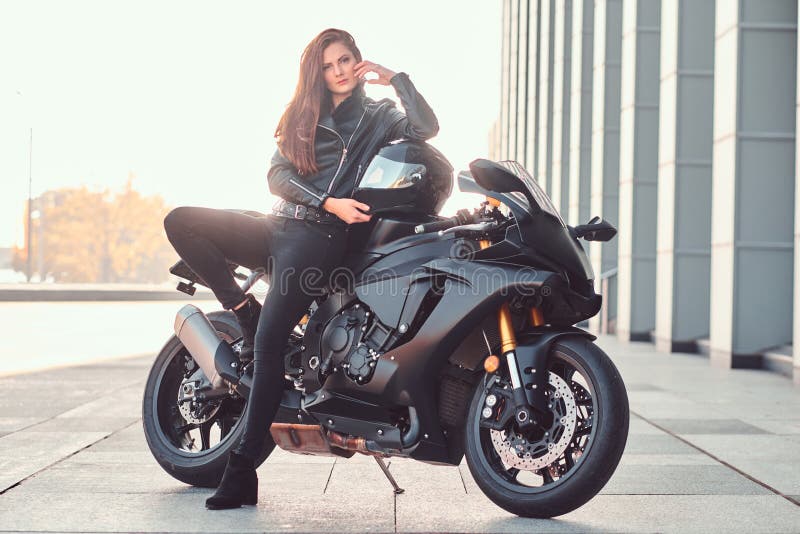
(300, 211)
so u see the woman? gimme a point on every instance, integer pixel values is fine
(327, 134)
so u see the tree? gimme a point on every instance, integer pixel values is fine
(96, 236)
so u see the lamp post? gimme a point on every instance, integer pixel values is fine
(29, 259)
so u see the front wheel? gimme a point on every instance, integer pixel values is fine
(551, 471)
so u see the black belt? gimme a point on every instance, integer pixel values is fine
(301, 211)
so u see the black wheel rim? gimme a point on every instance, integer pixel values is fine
(185, 438)
(569, 462)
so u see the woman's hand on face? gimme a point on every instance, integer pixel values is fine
(384, 74)
(347, 209)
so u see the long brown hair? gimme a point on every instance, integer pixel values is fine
(298, 126)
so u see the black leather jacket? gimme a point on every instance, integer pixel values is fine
(348, 138)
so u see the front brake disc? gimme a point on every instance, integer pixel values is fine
(522, 453)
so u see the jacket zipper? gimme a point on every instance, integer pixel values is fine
(358, 174)
(344, 148)
(307, 190)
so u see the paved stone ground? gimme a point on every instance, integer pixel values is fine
(710, 450)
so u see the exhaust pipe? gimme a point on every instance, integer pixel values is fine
(214, 356)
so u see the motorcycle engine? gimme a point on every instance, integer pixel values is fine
(353, 341)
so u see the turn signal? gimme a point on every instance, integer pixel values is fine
(491, 363)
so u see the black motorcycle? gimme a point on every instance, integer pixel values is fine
(437, 339)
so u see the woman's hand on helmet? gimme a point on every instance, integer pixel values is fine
(349, 210)
(384, 74)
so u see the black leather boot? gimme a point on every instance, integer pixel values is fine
(247, 316)
(239, 484)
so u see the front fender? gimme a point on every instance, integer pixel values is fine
(531, 352)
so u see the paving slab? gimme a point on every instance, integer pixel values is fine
(757, 456)
(98, 458)
(709, 450)
(85, 424)
(708, 426)
(680, 480)
(657, 444)
(607, 513)
(780, 426)
(121, 479)
(470, 485)
(362, 479)
(667, 459)
(24, 453)
(433, 480)
(298, 480)
(130, 439)
(13, 424)
(665, 405)
(184, 511)
(640, 426)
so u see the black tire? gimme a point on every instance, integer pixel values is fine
(204, 468)
(591, 471)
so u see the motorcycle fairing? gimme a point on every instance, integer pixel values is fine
(405, 376)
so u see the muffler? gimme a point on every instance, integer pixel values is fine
(314, 440)
(214, 356)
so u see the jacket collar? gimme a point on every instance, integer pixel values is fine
(350, 108)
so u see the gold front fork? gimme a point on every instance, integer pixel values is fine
(537, 318)
(508, 341)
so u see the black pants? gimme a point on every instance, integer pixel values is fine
(299, 257)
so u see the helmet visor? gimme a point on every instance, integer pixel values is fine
(384, 173)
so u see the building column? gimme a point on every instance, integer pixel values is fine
(684, 179)
(494, 140)
(505, 63)
(532, 109)
(755, 91)
(638, 169)
(562, 42)
(796, 321)
(522, 79)
(605, 146)
(513, 78)
(545, 139)
(580, 127)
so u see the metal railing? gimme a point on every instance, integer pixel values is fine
(607, 319)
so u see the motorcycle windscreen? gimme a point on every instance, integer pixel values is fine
(544, 229)
(541, 198)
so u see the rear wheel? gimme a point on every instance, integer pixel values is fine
(551, 471)
(192, 440)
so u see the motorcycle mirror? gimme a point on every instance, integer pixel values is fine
(596, 229)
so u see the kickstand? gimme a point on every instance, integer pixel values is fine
(397, 489)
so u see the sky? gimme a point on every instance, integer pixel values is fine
(186, 95)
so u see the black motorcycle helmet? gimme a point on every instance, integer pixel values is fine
(406, 177)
